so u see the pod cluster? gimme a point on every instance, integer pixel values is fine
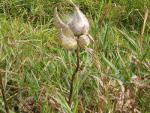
(75, 32)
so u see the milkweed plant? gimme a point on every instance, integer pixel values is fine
(74, 36)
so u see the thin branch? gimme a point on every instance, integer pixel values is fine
(74, 75)
(3, 94)
(144, 23)
(143, 27)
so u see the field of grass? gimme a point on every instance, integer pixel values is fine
(36, 71)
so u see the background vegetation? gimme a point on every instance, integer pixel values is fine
(36, 70)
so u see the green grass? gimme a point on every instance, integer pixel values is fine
(36, 66)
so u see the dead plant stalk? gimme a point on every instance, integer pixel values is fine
(74, 75)
(3, 94)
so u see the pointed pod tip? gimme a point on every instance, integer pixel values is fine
(61, 34)
(72, 3)
(61, 31)
(57, 20)
(91, 38)
(55, 10)
(75, 6)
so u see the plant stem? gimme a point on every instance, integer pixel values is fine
(74, 75)
(3, 94)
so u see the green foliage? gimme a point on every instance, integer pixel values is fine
(32, 58)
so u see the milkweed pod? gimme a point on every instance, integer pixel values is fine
(79, 23)
(68, 43)
(60, 25)
(84, 41)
